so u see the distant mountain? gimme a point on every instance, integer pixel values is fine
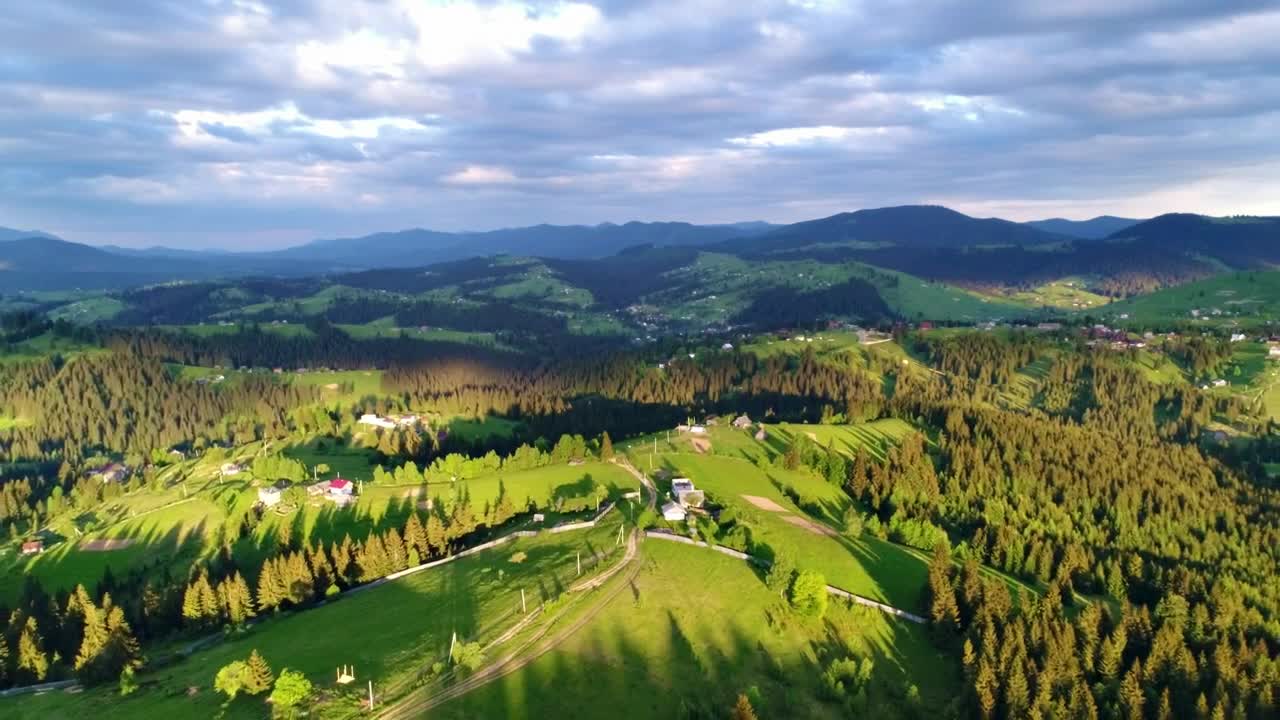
(1093, 229)
(907, 226)
(11, 234)
(1241, 242)
(416, 247)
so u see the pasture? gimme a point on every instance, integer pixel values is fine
(695, 629)
(402, 627)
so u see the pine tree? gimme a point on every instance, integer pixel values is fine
(1165, 712)
(342, 559)
(1131, 697)
(944, 612)
(31, 656)
(93, 642)
(192, 612)
(437, 535)
(259, 677)
(4, 661)
(415, 536)
(606, 454)
(268, 591)
(986, 686)
(742, 709)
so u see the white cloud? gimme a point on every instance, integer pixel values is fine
(456, 34)
(481, 175)
(867, 137)
(193, 125)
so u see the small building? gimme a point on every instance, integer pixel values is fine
(684, 493)
(672, 512)
(761, 435)
(742, 421)
(33, 547)
(375, 421)
(316, 489)
(341, 492)
(1219, 383)
(269, 496)
(230, 468)
(111, 472)
(1238, 337)
(1273, 351)
(727, 346)
(539, 517)
(697, 430)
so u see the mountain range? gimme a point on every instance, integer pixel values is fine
(931, 241)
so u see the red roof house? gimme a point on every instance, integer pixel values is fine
(32, 547)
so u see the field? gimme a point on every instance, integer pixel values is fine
(89, 311)
(695, 630)
(866, 566)
(402, 626)
(1248, 297)
(1065, 293)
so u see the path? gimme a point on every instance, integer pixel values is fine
(414, 705)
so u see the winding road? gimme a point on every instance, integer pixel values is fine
(417, 703)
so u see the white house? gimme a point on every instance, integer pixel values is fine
(269, 496)
(684, 493)
(698, 429)
(1273, 351)
(672, 512)
(375, 421)
(742, 421)
(1237, 337)
(727, 346)
(1219, 383)
(231, 468)
(341, 492)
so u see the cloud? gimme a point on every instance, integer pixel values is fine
(480, 175)
(252, 122)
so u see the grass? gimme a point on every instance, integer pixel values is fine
(1069, 293)
(866, 566)
(388, 633)
(693, 631)
(383, 329)
(875, 437)
(8, 423)
(362, 383)
(1250, 297)
(473, 429)
(90, 310)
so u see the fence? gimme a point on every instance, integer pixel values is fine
(833, 590)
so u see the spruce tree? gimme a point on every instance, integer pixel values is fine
(742, 709)
(268, 591)
(32, 660)
(259, 678)
(606, 454)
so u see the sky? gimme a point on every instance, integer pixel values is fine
(248, 124)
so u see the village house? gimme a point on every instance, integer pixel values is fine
(1219, 383)
(672, 512)
(317, 489)
(741, 422)
(761, 435)
(33, 547)
(375, 421)
(684, 493)
(229, 468)
(111, 472)
(1273, 351)
(269, 496)
(341, 492)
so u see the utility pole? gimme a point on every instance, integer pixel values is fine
(523, 608)
(579, 562)
(370, 694)
(452, 642)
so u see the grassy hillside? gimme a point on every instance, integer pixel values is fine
(695, 630)
(1247, 297)
(402, 626)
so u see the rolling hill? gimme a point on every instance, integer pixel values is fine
(1092, 229)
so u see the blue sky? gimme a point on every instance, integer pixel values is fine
(250, 124)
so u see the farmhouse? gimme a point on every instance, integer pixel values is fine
(319, 488)
(33, 547)
(697, 430)
(375, 421)
(672, 512)
(269, 496)
(341, 492)
(742, 421)
(231, 468)
(684, 493)
(111, 472)
(1219, 383)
